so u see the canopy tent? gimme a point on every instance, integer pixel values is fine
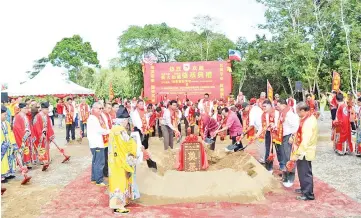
(50, 81)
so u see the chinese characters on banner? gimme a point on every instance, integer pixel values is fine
(336, 81)
(193, 79)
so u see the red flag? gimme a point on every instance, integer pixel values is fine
(269, 91)
(111, 92)
(336, 81)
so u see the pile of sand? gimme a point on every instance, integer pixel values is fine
(235, 177)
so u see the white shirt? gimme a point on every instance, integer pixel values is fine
(291, 123)
(201, 106)
(51, 108)
(137, 120)
(75, 105)
(255, 117)
(294, 104)
(95, 132)
(168, 120)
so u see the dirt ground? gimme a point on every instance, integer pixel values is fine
(27, 200)
(31, 200)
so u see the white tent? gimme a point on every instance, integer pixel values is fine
(50, 81)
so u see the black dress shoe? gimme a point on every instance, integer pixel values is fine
(304, 198)
(298, 191)
(10, 177)
(4, 181)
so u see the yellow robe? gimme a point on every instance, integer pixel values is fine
(8, 164)
(121, 171)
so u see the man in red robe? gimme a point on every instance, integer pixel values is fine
(44, 134)
(23, 134)
(342, 128)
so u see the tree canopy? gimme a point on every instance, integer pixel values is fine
(73, 54)
(307, 41)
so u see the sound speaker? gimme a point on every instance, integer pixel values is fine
(4, 97)
(298, 86)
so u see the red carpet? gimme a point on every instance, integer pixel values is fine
(82, 199)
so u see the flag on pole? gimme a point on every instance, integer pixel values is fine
(234, 55)
(336, 81)
(269, 91)
(111, 92)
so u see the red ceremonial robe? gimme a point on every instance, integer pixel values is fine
(22, 131)
(342, 130)
(44, 134)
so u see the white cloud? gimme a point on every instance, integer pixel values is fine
(30, 29)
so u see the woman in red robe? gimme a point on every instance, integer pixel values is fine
(342, 128)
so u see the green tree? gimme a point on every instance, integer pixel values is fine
(73, 53)
(121, 83)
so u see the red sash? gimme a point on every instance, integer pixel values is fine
(245, 119)
(174, 118)
(103, 125)
(271, 119)
(69, 113)
(84, 111)
(191, 116)
(278, 135)
(145, 126)
(299, 131)
(312, 105)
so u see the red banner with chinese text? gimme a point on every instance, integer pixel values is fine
(193, 79)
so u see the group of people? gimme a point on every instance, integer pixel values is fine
(25, 138)
(281, 125)
(119, 132)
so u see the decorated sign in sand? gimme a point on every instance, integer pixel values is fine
(235, 177)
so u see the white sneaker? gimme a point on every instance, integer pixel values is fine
(287, 184)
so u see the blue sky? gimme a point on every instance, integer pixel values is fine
(30, 29)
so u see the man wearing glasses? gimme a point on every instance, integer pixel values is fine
(97, 137)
